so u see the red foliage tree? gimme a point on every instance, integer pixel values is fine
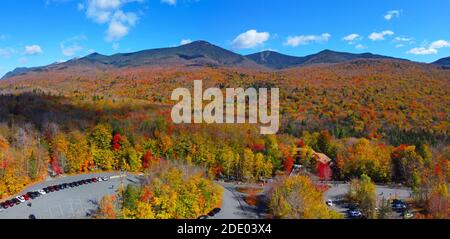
(3, 164)
(55, 165)
(300, 143)
(116, 141)
(258, 147)
(288, 164)
(324, 171)
(146, 159)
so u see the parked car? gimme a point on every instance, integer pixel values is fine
(94, 180)
(354, 213)
(11, 202)
(399, 205)
(407, 215)
(16, 201)
(31, 195)
(42, 192)
(329, 203)
(214, 212)
(26, 197)
(36, 193)
(105, 178)
(4, 205)
(21, 199)
(203, 217)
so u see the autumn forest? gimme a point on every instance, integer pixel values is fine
(379, 121)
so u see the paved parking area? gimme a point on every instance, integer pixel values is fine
(71, 203)
(338, 190)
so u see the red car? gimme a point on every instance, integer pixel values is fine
(26, 197)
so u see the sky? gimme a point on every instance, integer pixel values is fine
(41, 32)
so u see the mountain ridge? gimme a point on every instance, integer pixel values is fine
(201, 53)
(444, 62)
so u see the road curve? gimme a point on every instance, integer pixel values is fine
(234, 206)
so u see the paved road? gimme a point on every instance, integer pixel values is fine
(234, 206)
(71, 203)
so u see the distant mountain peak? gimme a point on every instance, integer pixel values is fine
(327, 51)
(445, 62)
(95, 54)
(199, 42)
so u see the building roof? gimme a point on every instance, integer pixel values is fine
(321, 158)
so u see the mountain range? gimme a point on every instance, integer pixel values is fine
(202, 53)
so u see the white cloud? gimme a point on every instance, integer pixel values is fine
(391, 14)
(90, 51)
(422, 51)
(352, 38)
(7, 52)
(116, 30)
(250, 39)
(185, 41)
(440, 44)
(360, 47)
(72, 46)
(71, 50)
(402, 39)
(170, 2)
(295, 41)
(430, 49)
(378, 36)
(33, 50)
(110, 12)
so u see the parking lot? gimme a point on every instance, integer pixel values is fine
(337, 192)
(70, 203)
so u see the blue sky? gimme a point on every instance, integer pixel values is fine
(40, 32)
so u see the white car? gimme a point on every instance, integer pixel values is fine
(42, 192)
(329, 202)
(105, 179)
(21, 199)
(354, 213)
